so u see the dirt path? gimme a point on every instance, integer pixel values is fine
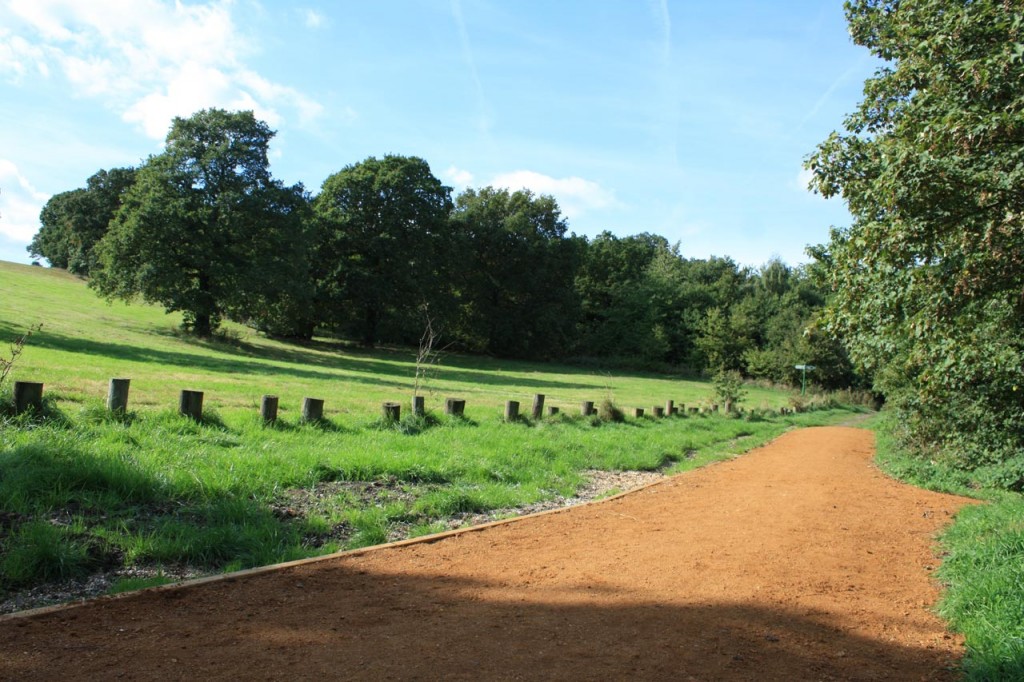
(797, 561)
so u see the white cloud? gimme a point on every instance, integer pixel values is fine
(148, 60)
(313, 18)
(458, 176)
(575, 196)
(20, 204)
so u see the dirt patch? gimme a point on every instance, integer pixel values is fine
(799, 560)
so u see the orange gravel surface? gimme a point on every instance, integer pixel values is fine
(797, 561)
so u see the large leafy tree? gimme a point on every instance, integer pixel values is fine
(205, 229)
(617, 312)
(928, 278)
(72, 223)
(383, 250)
(516, 286)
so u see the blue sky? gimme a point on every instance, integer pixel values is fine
(688, 119)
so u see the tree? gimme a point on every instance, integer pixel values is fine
(383, 248)
(205, 229)
(616, 311)
(518, 266)
(927, 279)
(72, 223)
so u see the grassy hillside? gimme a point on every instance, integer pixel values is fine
(86, 494)
(86, 341)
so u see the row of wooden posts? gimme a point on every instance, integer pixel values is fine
(28, 395)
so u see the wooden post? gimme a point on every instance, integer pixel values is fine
(659, 411)
(538, 406)
(190, 404)
(728, 407)
(117, 395)
(391, 412)
(587, 408)
(268, 409)
(714, 408)
(670, 408)
(455, 406)
(28, 395)
(552, 410)
(418, 407)
(312, 409)
(511, 410)
(638, 412)
(694, 410)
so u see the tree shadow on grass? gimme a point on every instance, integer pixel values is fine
(296, 363)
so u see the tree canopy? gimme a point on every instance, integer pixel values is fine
(383, 244)
(73, 222)
(205, 229)
(929, 277)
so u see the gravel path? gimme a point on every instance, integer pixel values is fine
(799, 560)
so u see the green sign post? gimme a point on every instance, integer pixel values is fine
(803, 376)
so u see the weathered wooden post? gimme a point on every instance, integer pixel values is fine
(28, 395)
(538, 406)
(638, 412)
(658, 411)
(190, 404)
(714, 408)
(312, 409)
(670, 408)
(391, 412)
(117, 395)
(268, 409)
(552, 410)
(587, 408)
(455, 406)
(418, 407)
(728, 407)
(511, 410)
(694, 410)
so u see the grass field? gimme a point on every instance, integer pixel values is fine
(85, 342)
(82, 491)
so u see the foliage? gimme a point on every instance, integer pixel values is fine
(383, 247)
(72, 223)
(205, 229)
(927, 280)
(516, 279)
(729, 389)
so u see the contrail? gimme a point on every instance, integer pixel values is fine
(467, 53)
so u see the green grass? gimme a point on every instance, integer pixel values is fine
(86, 341)
(82, 490)
(983, 565)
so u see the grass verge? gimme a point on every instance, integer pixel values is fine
(983, 565)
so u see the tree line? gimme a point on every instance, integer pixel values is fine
(204, 229)
(928, 280)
